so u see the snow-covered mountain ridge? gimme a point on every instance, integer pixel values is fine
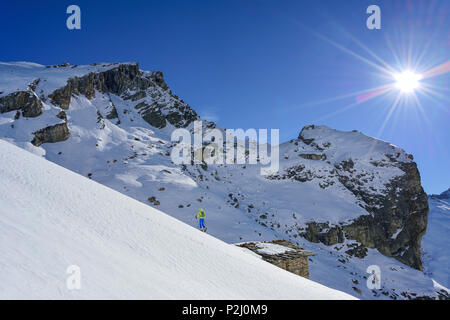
(347, 194)
(52, 218)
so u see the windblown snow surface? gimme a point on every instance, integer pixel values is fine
(51, 218)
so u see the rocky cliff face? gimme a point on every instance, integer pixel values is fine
(399, 218)
(128, 82)
(51, 134)
(26, 101)
(283, 254)
(395, 227)
(148, 91)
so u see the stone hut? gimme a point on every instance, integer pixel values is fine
(283, 254)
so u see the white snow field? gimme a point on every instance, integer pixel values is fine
(52, 218)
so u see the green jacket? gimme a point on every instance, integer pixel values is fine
(201, 214)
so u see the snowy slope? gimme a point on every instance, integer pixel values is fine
(131, 156)
(51, 218)
(436, 247)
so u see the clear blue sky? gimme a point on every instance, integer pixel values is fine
(262, 64)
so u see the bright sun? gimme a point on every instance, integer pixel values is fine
(407, 81)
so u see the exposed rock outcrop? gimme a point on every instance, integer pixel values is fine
(152, 114)
(296, 172)
(158, 77)
(62, 115)
(137, 96)
(313, 156)
(129, 82)
(26, 101)
(397, 207)
(399, 218)
(294, 259)
(154, 118)
(112, 114)
(56, 133)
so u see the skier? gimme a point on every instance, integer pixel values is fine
(201, 219)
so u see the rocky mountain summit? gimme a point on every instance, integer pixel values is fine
(124, 80)
(356, 198)
(384, 181)
(129, 83)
